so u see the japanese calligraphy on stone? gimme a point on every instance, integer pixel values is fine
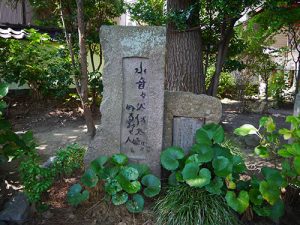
(135, 107)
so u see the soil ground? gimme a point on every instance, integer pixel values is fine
(56, 124)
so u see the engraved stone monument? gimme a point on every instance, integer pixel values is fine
(186, 112)
(133, 99)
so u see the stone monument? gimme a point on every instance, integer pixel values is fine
(133, 98)
(186, 112)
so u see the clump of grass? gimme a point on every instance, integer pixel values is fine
(233, 146)
(192, 206)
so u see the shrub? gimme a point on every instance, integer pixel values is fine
(123, 182)
(41, 64)
(192, 206)
(38, 179)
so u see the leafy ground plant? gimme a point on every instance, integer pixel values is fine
(124, 183)
(211, 167)
(192, 206)
(38, 179)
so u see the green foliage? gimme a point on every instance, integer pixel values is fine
(212, 167)
(123, 182)
(270, 147)
(150, 12)
(37, 179)
(76, 196)
(187, 205)
(41, 64)
(13, 145)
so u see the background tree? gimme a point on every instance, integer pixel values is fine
(65, 14)
(200, 35)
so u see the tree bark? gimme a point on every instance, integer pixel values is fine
(84, 73)
(226, 35)
(184, 61)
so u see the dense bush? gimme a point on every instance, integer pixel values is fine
(40, 63)
(37, 179)
(123, 182)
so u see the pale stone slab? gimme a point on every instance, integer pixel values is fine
(184, 129)
(134, 64)
(186, 104)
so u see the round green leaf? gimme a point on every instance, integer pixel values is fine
(136, 204)
(205, 153)
(212, 132)
(152, 184)
(89, 178)
(240, 203)
(169, 158)
(270, 192)
(143, 169)
(119, 159)
(112, 186)
(119, 198)
(194, 159)
(273, 176)
(222, 151)
(245, 130)
(129, 173)
(75, 196)
(98, 164)
(128, 186)
(194, 177)
(109, 172)
(255, 196)
(222, 166)
(238, 165)
(215, 186)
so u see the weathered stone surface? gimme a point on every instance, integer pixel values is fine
(186, 104)
(184, 129)
(128, 51)
(16, 210)
(297, 105)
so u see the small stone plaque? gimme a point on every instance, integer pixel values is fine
(184, 129)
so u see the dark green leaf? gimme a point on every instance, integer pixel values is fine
(136, 205)
(240, 203)
(215, 186)
(119, 159)
(119, 198)
(222, 166)
(169, 157)
(89, 178)
(152, 184)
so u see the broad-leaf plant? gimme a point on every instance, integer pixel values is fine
(124, 183)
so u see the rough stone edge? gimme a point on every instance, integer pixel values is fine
(176, 104)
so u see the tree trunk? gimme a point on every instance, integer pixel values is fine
(226, 35)
(184, 61)
(84, 73)
(297, 77)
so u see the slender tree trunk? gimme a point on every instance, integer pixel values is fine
(226, 35)
(84, 73)
(184, 61)
(297, 76)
